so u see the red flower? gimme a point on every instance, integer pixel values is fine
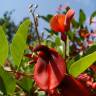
(93, 67)
(84, 33)
(61, 22)
(72, 87)
(49, 69)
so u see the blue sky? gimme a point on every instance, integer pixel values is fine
(45, 7)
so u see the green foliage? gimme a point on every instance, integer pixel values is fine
(75, 24)
(82, 17)
(47, 18)
(70, 48)
(82, 64)
(67, 46)
(8, 25)
(2, 87)
(71, 61)
(19, 42)
(3, 47)
(58, 41)
(26, 84)
(9, 84)
(90, 50)
(92, 16)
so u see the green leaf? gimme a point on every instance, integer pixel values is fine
(82, 64)
(58, 41)
(90, 50)
(82, 17)
(19, 42)
(26, 84)
(71, 35)
(47, 18)
(3, 47)
(41, 93)
(8, 82)
(2, 87)
(51, 32)
(75, 24)
(71, 61)
(61, 49)
(92, 16)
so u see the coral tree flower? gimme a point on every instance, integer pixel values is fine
(61, 22)
(84, 33)
(49, 69)
(72, 87)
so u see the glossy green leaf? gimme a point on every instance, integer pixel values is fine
(82, 64)
(3, 47)
(82, 17)
(19, 42)
(9, 83)
(26, 84)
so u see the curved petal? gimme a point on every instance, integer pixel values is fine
(41, 74)
(69, 15)
(49, 70)
(73, 87)
(57, 70)
(57, 23)
(41, 48)
(61, 22)
(61, 19)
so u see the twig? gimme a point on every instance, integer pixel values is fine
(21, 73)
(36, 25)
(35, 18)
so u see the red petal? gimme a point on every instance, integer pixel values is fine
(69, 15)
(49, 72)
(41, 48)
(57, 23)
(61, 22)
(73, 87)
(93, 94)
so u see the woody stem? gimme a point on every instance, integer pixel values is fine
(35, 26)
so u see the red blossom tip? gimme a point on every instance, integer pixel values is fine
(41, 48)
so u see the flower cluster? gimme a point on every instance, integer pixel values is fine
(50, 70)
